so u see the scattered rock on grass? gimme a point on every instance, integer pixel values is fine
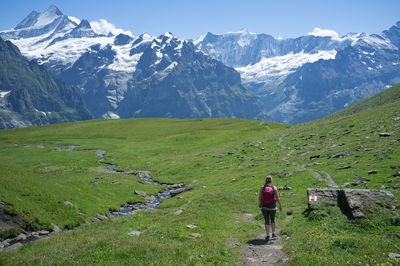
(393, 256)
(101, 217)
(114, 182)
(396, 174)
(371, 172)
(343, 167)
(134, 233)
(178, 212)
(385, 134)
(313, 157)
(191, 226)
(339, 155)
(195, 235)
(94, 219)
(140, 193)
(394, 166)
(66, 202)
(13, 247)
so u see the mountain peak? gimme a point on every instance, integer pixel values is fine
(53, 10)
(84, 24)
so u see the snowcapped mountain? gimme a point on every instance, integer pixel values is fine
(300, 79)
(30, 95)
(126, 76)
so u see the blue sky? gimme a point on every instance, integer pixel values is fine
(189, 19)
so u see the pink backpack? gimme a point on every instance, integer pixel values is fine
(268, 195)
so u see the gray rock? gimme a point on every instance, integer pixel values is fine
(393, 256)
(1, 245)
(396, 174)
(386, 134)
(134, 233)
(175, 192)
(174, 186)
(13, 247)
(94, 182)
(360, 182)
(394, 166)
(56, 229)
(316, 195)
(371, 172)
(178, 212)
(313, 157)
(66, 202)
(140, 193)
(43, 232)
(343, 167)
(339, 155)
(195, 235)
(6, 243)
(20, 238)
(396, 118)
(351, 201)
(94, 219)
(101, 217)
(191, 226)
(114, 182)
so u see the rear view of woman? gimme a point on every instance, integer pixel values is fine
(267, 202)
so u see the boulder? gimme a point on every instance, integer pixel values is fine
(191, 226)
(66, 202)
(393, 256)
(178, 212)
(94, 219)
(386, 134)
(134, 233)
(343, 167)
(56, 229)
(13, 247)
(101, 217)
(339, 155)
(177, 191)
(315, 195)
(43, 232)
(351, 201)
(140, 193)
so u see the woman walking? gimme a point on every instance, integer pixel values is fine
(267, 203)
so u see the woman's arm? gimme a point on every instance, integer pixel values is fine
(259, 198)
(277, 198)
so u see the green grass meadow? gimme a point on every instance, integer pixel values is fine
(226, 161)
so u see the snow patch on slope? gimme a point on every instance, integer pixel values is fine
(281, 65)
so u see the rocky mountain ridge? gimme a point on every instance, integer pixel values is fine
(124, 76)
(305, 78)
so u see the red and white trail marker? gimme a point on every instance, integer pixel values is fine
(313, 198)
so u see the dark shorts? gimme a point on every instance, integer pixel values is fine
(269, 213)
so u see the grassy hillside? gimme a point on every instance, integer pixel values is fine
(226, 161)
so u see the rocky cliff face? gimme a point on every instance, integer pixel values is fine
(125, 76)
(30, 95)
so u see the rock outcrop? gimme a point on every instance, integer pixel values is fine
(351, 201)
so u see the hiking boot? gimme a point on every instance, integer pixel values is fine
(274, 235)
(267, 238)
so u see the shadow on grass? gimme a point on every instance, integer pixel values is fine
(258, 242)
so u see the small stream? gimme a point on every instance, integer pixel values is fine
(151, 201)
